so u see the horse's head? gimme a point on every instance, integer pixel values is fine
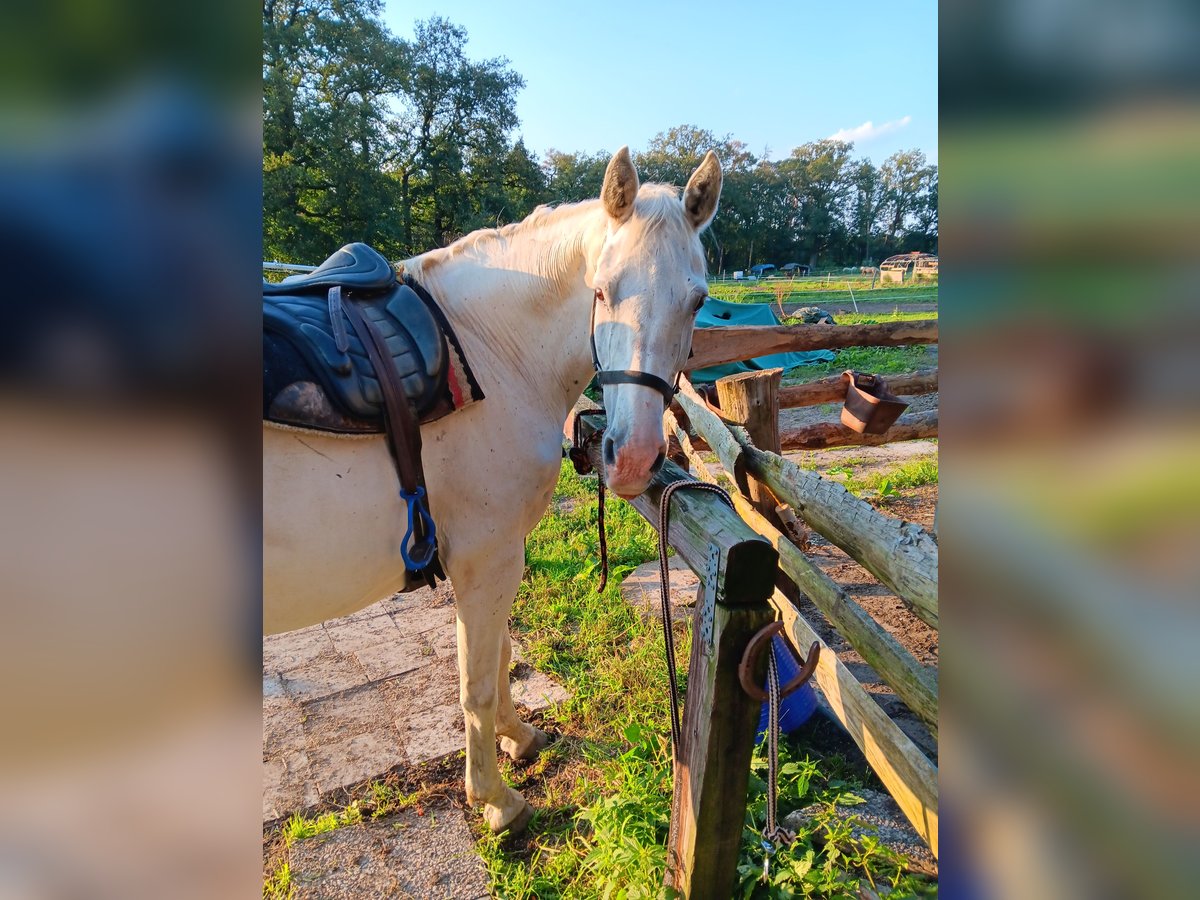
(649, 283)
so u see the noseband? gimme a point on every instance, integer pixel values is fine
(628, 376)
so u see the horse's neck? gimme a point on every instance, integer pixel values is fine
(520, 296)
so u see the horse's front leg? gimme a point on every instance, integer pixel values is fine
(520, 740)
(484, 593)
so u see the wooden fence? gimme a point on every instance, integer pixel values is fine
(752, 558)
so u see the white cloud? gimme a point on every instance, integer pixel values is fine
(868, 131)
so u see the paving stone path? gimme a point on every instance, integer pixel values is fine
(352, 699)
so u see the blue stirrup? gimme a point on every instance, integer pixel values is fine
(424, 548)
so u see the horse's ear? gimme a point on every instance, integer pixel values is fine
(620, 186)
(702, 192)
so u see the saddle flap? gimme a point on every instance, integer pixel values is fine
(355, 267)
(422, 327)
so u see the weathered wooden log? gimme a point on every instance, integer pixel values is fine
(751, 399)
(909, 777)
(714, 346)
(822, 435)
(913, 683)
(739, 570)
(900, 554)
(833, 388)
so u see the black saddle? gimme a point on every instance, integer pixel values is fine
(307, 345)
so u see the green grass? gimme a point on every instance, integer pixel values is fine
(816, 291)
(890, 482)
(878, 360)
(878, 317)
(603, 790)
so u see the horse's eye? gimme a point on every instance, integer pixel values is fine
(599, 295)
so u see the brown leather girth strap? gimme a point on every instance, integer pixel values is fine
(403, 431)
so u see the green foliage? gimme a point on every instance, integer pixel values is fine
(299, 827)
(892, 481)
(279, 885)
(370, 137)
(825, 860)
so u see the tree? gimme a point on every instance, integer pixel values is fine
(368, 137)
(574, 176)
(454, 113)
(816, 176)
(866, 197)
(905, 178)
(328, 69)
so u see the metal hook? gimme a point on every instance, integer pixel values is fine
(750, 657)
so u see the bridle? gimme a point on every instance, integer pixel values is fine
(628, 376)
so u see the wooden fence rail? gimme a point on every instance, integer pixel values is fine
(909, 777)
(833, 388)
(902, 555)
(714, 346)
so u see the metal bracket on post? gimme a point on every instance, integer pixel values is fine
(708, 598)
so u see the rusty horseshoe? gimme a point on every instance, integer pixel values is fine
(750, 657)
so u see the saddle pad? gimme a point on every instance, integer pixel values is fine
(309, 382)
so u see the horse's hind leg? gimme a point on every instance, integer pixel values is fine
(518, 739)
(484, 593)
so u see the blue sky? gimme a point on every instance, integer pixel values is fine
(775, 75)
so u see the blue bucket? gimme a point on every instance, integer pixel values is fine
(795, 709)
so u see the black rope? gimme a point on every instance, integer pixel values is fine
(664, 525)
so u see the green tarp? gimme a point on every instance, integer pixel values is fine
(718, 313)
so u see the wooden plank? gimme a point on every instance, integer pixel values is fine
(822, 435)
(904, 770)
(714, 346)
(751, 399)
(833, 388)
(914, 683)
(719, 725)
(900, 554)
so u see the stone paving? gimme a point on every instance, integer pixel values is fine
(352, 699)
(427, 856)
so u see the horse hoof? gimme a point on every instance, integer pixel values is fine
(521, 822)
(527, 752)
(514, 825)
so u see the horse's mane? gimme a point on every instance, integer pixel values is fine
(656, 206)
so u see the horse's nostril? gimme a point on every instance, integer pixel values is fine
(610, 453)
(658, 463)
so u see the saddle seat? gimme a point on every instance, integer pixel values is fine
(316, 372)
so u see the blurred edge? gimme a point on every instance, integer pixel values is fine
(130, 216)
(1070, 156)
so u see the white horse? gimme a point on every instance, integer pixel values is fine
(520, 299)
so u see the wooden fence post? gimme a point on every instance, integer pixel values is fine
(751, 399)
(739, 571)
(719, 724)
